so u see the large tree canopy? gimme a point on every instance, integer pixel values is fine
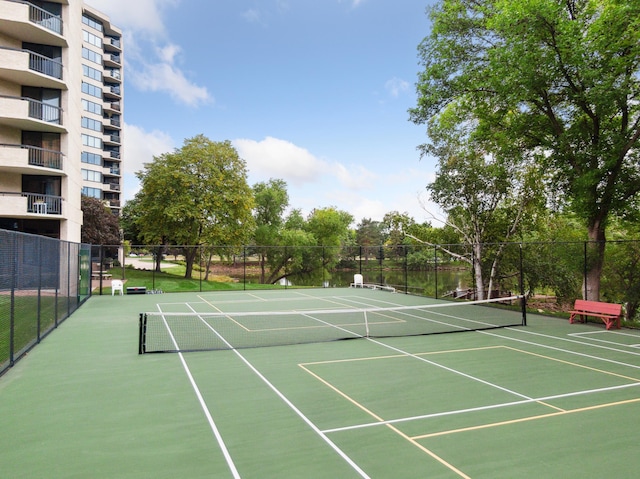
(196, 195)
(99, 225)
(557, 80)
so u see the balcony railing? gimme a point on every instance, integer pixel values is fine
(40, 110)
(41, 63)
(38, 203)
(114, 41)
(44, 19)
(114, 73)
(45, 65)
(40, 156)
(43, 111)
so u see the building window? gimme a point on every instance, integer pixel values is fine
(92, 90)
(92, 22)
(91, 107)
(92, 39)
(91, 73)
(91, 158)
(90, 175)
(92, 192)
(91, 124)
(88, 140)
(91, 56)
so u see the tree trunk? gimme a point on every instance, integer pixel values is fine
(477, 270)
(595, 262)
(263, 260)
(189, 257)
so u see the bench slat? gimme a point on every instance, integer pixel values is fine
(610, 313)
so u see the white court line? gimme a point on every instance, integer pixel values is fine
(598, 358)
(481, 408)
(588, 334)
(203, 405)
(288, 403)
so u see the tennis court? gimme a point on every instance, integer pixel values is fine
(548, 399)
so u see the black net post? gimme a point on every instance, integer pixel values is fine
(142, 333)
(523, 298)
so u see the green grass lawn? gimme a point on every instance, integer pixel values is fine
(172, 280)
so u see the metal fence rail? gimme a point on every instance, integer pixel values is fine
(42, 281)
(557, 272)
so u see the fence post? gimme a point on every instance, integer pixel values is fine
(435, 268)
(406, 269)
(523, 300)
(12, 307)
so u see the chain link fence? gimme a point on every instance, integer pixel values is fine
(42, 281)
(552, 274)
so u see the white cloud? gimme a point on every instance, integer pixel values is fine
(396, 86)
(354, 3)
(140, 148)
(354, 178)
(252, 15)
(150, 57)
(145, 17)
(275, 158)
(166, 77)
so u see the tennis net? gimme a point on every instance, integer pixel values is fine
(194, 331)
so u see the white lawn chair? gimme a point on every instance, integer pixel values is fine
(358, 281)
(117, 285)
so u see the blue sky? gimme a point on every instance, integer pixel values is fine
(314, 92)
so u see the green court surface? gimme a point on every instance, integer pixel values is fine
(546, 400)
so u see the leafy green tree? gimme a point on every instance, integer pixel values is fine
(309, 247)
(556, 79)
(100, 226)
(394, 227)
(369, 236)
(129, 221)
(196, 195)
(271, 200)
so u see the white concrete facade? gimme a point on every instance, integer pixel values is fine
(61, 105)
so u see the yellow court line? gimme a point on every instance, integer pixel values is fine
(525, 419)
(574, 364)
(390, 426)
(331, 361)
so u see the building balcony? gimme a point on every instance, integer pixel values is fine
(112, 170)
(29, 68)
(111, 139)
(111, 92)
(29, 205)
(29, 114)
(113, 74)
(111, 107)
(26, 21)
(113, 186)
(30, 160)
(111, 60)
(114, 121)
(112, 44)
(112, 154)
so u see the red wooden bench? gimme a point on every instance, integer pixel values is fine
(610, 313)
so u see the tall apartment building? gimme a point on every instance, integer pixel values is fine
(61, 98)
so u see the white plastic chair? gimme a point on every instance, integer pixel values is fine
(117, 285)
(358, 281)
